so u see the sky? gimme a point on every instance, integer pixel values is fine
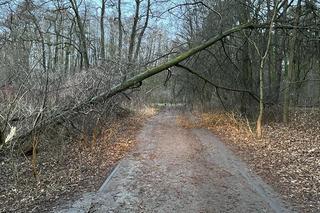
(167, 22)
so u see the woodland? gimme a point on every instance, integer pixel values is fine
(72, 71)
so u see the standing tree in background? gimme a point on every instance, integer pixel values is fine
(102, 37)
(246, 73)
(291, 64)
(82, 35)
(142, 31)
(120, 39)
(134, 31)
(261, 72)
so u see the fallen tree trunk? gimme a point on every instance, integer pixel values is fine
(58, 117)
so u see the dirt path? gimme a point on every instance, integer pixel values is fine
(179, 170)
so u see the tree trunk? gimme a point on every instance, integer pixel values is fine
(82, 35)
(133, 32)
(1, 137)
(49, 53)
(289, 75)
(261, 105)
(246, 74)
(57, 29)
(120, 36)
(142, 31)
(261, 73)
(66, 60)
(277, 68)
(102, 37)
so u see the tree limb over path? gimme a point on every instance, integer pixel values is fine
(57, 117)
(255, 97)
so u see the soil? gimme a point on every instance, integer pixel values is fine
(176, 169)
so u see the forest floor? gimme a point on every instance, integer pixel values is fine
(177, 169)
(65, 169)
(175, 164)
(287, 157)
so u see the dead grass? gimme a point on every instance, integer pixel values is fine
(228, 123)
(65, 169)
(148, 111)
(288, 157)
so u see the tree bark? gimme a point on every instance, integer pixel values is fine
(136, 55)
(289, 75)
(57, 30)
(133, 31)
(1, 137)
(120, 35)
(82, 35)
(246, 74)
(102, 37)
(261, 74)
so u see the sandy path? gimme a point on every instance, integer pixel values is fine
(179, 170)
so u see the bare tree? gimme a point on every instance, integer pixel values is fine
(82, 35)
(120, 39)
(143, 30)
(134, 31)
(290, 72)
(102, 37)
(261, 72)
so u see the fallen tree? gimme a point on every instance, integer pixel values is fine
(59, 116)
